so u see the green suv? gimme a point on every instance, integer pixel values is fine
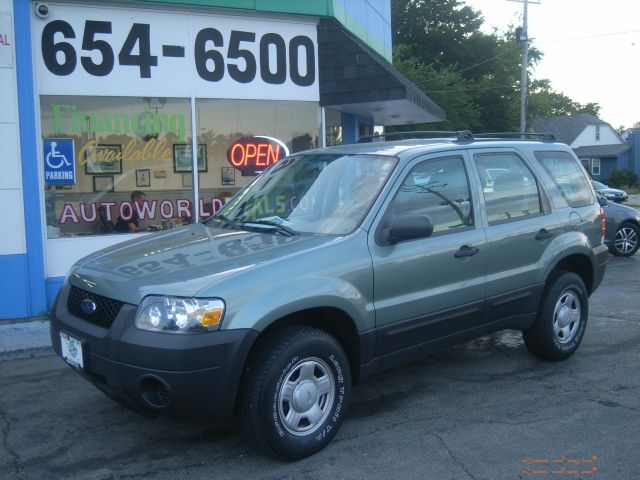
(332, 265)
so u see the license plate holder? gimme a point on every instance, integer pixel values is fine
(72, 349)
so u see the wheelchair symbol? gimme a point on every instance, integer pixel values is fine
(55, 159)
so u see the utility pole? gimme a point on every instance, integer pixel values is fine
(522, 38)
(524, 79)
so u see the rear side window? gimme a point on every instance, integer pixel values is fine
(569, 176)
(510, 189)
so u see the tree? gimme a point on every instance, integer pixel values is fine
(473, 76)
(545, 102)
(435, 32)
(446, 87)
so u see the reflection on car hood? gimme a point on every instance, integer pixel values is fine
(183, 261)
(611, 190)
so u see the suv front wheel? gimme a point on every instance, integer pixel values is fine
(295, 392)
(562, 318)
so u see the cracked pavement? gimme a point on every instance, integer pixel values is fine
(483, 410)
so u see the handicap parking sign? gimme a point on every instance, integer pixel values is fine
(59, 161)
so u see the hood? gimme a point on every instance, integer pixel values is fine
(620, 212)
(611, 191)
(183, 261)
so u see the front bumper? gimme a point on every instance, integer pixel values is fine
(617, 198)
(152, 372)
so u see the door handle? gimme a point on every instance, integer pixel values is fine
(544, 234)
(466, 251)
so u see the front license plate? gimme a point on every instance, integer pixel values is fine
(71, 350)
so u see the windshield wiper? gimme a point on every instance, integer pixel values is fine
(225, 219)
(281, 228)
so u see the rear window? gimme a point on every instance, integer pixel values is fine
(569, 176)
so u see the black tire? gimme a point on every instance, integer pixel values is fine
(294, 392)
(561, 320)
(626, 241)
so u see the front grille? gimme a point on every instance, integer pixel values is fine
(106, 310)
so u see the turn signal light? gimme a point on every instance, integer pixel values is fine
(212, 317)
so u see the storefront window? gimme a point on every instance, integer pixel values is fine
(333, 127)
(132, 157)
(131, 162)
(222, 122)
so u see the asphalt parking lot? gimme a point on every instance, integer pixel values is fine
(483, 410)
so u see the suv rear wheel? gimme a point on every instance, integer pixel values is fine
(562, 318)
(295, 392)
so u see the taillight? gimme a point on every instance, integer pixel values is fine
(603, 224)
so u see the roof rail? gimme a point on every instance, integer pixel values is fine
(545, 137)
(462, 136)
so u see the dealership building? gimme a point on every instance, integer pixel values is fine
(104, 99)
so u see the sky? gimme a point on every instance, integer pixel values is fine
(591, 49)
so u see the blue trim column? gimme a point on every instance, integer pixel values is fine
(37, 299)
(349, 128)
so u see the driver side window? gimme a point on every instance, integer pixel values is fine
(438, 188)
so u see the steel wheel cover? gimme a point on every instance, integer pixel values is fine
(306, 396)
(566, 316)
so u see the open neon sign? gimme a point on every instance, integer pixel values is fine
(252, 155)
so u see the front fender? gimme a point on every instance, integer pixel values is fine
(296, 295)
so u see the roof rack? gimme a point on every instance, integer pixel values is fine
(545, 137)
(461, 136)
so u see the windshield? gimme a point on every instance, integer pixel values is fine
(598, 185)
(320, 193)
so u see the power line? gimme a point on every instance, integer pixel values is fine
(587, 36)
(471, 89)
(480, 63)
(466, 68)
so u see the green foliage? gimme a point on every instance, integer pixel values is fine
(545, 102)
(622, 179)
(447, 88)
(473, 76)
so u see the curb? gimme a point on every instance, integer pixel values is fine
(25, 338)
(34, 352)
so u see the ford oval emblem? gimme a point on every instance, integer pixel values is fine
(88, 306)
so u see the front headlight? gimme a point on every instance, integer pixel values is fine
(179, 315)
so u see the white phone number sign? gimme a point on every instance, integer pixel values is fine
(108, 51)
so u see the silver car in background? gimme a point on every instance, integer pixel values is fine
(622, 235)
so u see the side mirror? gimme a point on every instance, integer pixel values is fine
(407, 227)
(602, 200)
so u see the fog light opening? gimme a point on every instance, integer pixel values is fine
(155, 392)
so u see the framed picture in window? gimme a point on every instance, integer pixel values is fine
(228, 176)
(182, 159)
(103, 183)
(187, 180)
(101, 159)
(143, 177)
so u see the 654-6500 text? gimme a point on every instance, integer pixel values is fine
(215, 56)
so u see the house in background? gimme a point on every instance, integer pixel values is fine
(596, 143)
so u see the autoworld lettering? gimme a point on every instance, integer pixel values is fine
(147, 210)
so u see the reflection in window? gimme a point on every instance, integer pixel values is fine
(121, 145)
(510, 189)
(568, 176)
(221, 122)
(438, 188)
